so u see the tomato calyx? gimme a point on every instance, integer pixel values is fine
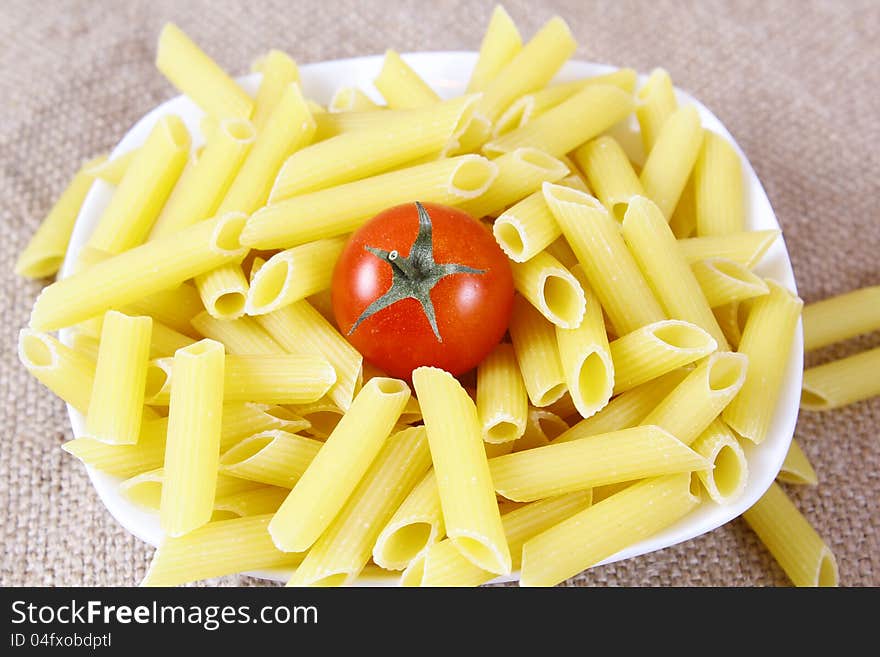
(415, 275)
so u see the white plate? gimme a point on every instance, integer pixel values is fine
(448, 72)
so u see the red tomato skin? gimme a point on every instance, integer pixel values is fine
(472, 310)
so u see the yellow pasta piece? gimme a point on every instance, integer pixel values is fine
(273, 457)
(586, 538)
(559, 468)
(797, 469)
(45, 252)
(791, 540)
(279, 72)
(568, 125)
(466, 493)
(242, 336)
(322, 416)
(294, 274)
(745, 248)
(145, 489)
(68, 374)
(192, 448)
(351, 99)
(526, 229)
(165, 341)
(552, 289)
(766, 341)
(416, 525)
(204, 183)
(610, 173)
(344, 549)
(502, 401)
(196, 75)
(656, 104)
(223, 291)
(842, 382)
(217, 549)
(148, 181)
(728, 317)
(343, 460)
(500, 44)
(401, 86)
(120, 280)
(608, 265)
(725, 281)
(117, 400)
(729, 474)
(174, 307)
(672, 158)
(842, 317)
(85, 345)
(656, 349)
(653, 246)
(534, 341)
(683, 221)
(719, 189)
(112, 170)
(256, 502)
(342, 209)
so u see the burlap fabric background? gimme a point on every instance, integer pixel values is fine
(795, 82)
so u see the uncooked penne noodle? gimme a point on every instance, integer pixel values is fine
(542, 427)
(559, 468)
(46, 249)
(502, 401)
(223, 291)
(731, 318)
(627, 409)
(683, 221)
(842, 382)
(293, 274)
(745, 248)
(342, 209)
(719, 189)
(500, 44)
(344, 549)
(610, 173)
(112, 170)
(117, 401)
(568, 125)
(520, 173)
(842, 317)
(534, 341)
(656, 104)
(363, 153)
(165, 341)
(351, 99)
(249, 418)
(416, 525)
(197, 76)
(67, 373)
(343, 460)
(551, 288)
(256, 502)
(242, 336)
(562, 251)
(611, 270)
(526, 229)
(727, 478)
(401, 86)
(797, 469)
(192, 449)
(174, 307)
(269, 378)
(704, 393)
(121, 280)
(795, 545)
(148, 181)
(443, 565)
(653, 246)
(216, 549)
(725, 281)
(467, 497)
(767, 341)
(279, 72)
(204, 183)
(586, 538)
(672, 158)
(145, 489)
(656, 349)
(273, 457)
(300, 329)
(86, 345)
(322, 416)
(585, 355)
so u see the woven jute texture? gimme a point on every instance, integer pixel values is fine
(795, 82)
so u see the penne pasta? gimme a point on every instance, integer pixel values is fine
(791, 540)
(526, 229)
(273, 457)
(560, 468)
(586, 538)
(725, 281)
(322, 416)
(165, 341)
(256, 502)
(242, 336)
(173, 307)
(842, 317)
(537, 353)
(552, 289)
(112, 170)
(67, 373)
(766, 341)
(46, 249)
(726, 480)
(279, 72)
(746, 248)
(466, 494)
(719, 193)
(608, 265)
(656, 104)
(145, 489)
(192, 448)
(500, 44)
(342, 209)
(841, 382)
(683, 221)
(401, 86)
(352, 99)
(797, 469)
(542, 426)
(610, 173)
(343, 460)
(502, 401)
(223, 291)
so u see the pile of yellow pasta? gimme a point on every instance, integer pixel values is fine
(643, 349)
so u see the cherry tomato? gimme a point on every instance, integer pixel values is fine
(422, 285)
